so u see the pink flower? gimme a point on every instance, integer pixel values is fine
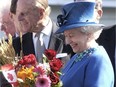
(43, 81)
(39, 69)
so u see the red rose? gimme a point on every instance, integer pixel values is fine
(54, 78)
(29, 59)
(50, 54)
(55, 64)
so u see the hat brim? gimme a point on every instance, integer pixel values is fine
(69, 27)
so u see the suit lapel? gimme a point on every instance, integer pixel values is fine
(27, 44)
(55, 42)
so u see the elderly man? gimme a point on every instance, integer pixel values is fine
(6, 22)
(33, 17)
(8, 27)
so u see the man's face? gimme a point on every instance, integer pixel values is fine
(98, 10)
(7, 25)
(27, 15)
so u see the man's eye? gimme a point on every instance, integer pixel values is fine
(70, 35)
(22, 14)
(3, 27)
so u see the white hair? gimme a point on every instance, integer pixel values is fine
(95, 31)
(43, 4)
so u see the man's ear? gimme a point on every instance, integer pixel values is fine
(11, 16)
(100, 13)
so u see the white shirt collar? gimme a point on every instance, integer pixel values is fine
(47, 30)
(47, 33)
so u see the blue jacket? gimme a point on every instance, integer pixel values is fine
(93, 70)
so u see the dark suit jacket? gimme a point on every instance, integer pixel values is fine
(108, 40)
(3, 81)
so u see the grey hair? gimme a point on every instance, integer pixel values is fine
(95, 31)
(43, 4)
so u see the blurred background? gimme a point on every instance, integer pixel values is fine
(109, 11)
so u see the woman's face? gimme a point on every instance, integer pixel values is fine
(76, 39)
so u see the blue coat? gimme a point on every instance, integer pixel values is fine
(93, 70)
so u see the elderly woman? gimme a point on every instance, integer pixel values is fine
(90, 66)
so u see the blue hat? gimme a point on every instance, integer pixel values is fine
(77, 14)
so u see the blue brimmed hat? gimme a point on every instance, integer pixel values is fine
(77, 14)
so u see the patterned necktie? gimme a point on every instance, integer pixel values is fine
(40, 46)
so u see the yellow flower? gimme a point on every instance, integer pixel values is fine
(25, 72)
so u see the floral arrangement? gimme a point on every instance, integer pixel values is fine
(25, 71)
(44, 74)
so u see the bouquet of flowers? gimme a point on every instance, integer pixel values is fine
(45, 74)
(25, 71)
